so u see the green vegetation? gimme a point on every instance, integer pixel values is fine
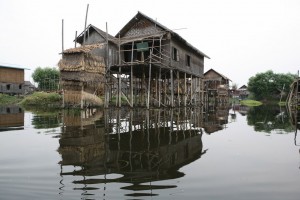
(251, 103)
(269, 85)
(9, 100)
(42, 99)
(47, 78)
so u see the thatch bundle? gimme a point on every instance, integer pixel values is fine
(73, 97)
(80, 120)
(90, 78)
(84, 49)
(82, 59)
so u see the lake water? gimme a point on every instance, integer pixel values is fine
(224, 152)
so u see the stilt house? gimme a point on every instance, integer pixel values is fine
(216, 86)
(160, 66)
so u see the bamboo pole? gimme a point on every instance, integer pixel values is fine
(75, 41)
(178, 95)
(191, 89)
(119, 74)
(62, 35)
(131, 75)
(172, 88)
(107, 71)
(159, 87)
(149, 82)
(185, 97)
(86, 15)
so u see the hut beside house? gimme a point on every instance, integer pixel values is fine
(83, 68)
(216, 86)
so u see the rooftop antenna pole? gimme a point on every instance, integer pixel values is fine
(87, 10)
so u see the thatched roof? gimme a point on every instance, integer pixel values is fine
(79, 59)
(84, 49)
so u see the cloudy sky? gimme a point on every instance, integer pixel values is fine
(242, 37)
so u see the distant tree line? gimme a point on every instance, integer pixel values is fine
(269, 85)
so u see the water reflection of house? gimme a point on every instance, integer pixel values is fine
(11, 117)
(216, 118)
(142, 152)
(243, 110)
(81, 140)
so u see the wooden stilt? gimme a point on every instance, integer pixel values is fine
(131, 76)
(185, 92)
(178, 95)
(172, 88)
(119, 87)
(159, 87)
(191, 90)
(149, 84)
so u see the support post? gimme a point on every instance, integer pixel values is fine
(149, 82)
(191, 89)
(185, 97)
(159, 87)
(178, 93)
(172, 88)
(131, 76)
(106, 71)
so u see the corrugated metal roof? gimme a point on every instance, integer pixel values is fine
(13, 66)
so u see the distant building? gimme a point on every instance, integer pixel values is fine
(11, 79)
(243, 92)
(216, 86)
(28, 87)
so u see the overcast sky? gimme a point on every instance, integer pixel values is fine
(242, 37)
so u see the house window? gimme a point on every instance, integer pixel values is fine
(8, 87)
(20, 86)
(188, 60)
(175, 55)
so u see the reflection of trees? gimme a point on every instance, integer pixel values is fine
(141, 145)
(266, 118)
(46, 120)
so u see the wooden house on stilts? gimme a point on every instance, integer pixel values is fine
(158, 66)
(216, 87)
